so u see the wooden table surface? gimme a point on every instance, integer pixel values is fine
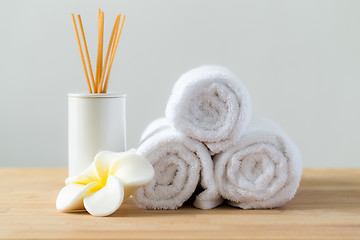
(326, 206)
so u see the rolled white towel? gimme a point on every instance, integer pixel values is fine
(179, 161)
(263, 170)
(210, 104)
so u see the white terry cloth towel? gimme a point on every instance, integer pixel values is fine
(180, 163)
(210, 104)
(263, 170)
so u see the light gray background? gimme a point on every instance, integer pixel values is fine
(299, 59)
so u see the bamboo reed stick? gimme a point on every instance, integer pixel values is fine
(98, 54)
(113, 54)
(81, 53)
(113, 34)
(101, 46)
(86, 51)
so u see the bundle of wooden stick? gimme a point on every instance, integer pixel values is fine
(99, 83)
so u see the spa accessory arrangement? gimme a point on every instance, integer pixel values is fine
(209, 146)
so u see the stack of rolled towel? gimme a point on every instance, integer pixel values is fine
(210, 147)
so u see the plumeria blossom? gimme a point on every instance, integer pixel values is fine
(106, 183)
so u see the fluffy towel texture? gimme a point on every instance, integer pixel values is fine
(178, 162)
(210, 104)
(263, 170)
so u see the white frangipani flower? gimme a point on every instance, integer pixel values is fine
(106, 183)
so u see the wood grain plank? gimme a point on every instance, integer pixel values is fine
(327, 206)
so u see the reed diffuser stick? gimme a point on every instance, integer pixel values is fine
(86, 51)
(101, 44)
(81, 53)
(113, 35)
(113, 54)
(99, 54)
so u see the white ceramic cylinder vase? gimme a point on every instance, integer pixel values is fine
(97, 122)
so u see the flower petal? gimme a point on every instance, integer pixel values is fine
(103, 161)
(107, 200)
(118, 162)
(71, 196)
(85, 177)
(134, 171)
(98, 169)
